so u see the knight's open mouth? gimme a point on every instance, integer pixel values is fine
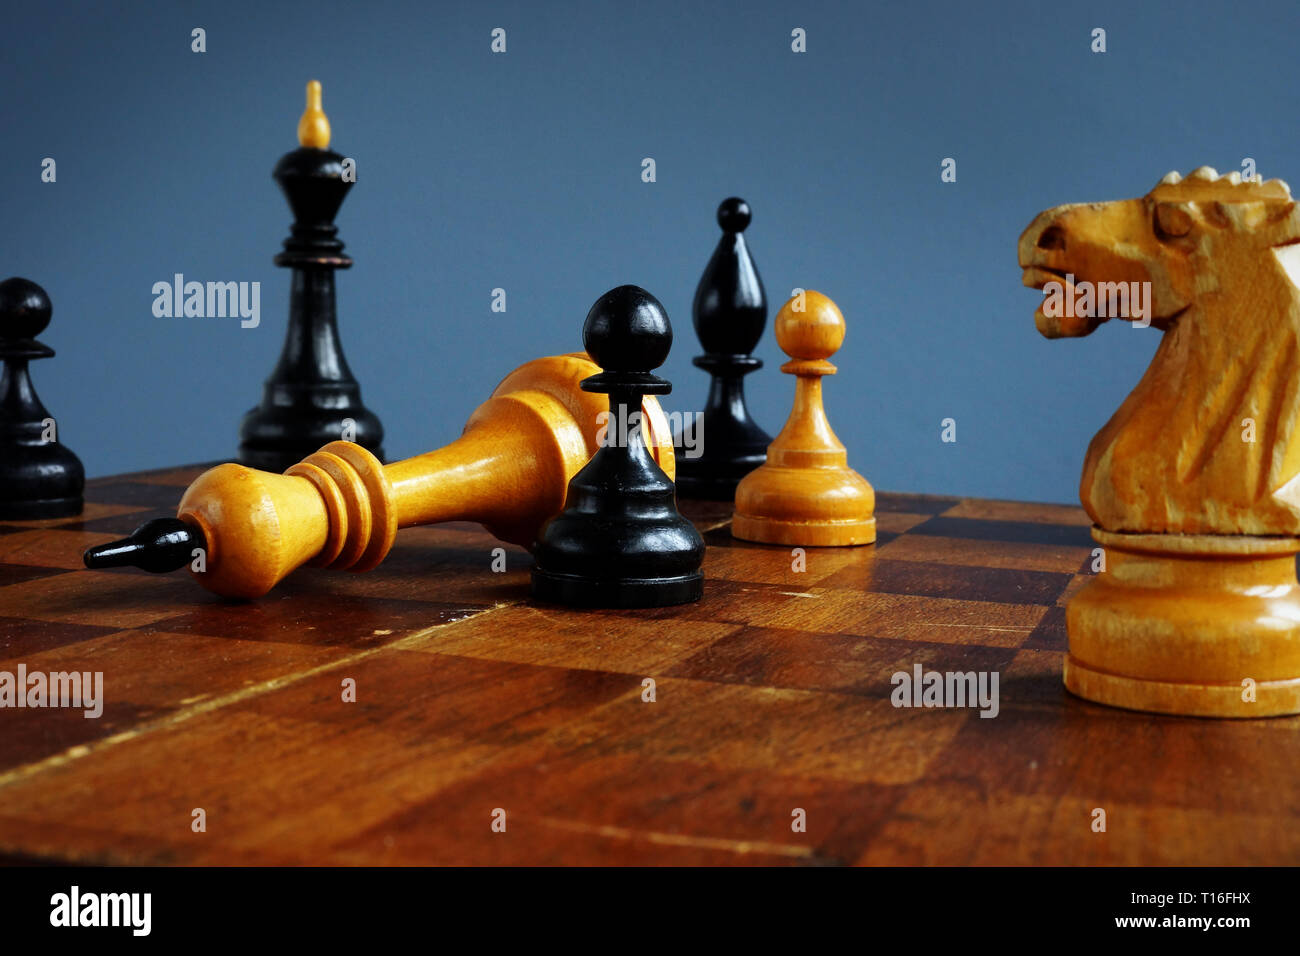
(1055, 326)
(1037, 277)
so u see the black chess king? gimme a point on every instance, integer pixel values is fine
(311, 398)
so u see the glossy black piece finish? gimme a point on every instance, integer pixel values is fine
(161, 545)
(312, 394)
(620, 541)
(730, 311)
(39, 478)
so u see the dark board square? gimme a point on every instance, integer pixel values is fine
(1050, 634)
(135, 493)
(1022, 532)
(120, 524)
(325, 619)
(840, 663)
(29, 734)
(17, 573)
(963, 582)
(914, 504)
(20, 636)
(721, 538)
(418, 697)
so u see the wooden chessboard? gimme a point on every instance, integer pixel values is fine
(771, 695)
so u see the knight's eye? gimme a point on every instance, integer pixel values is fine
(1172, 220)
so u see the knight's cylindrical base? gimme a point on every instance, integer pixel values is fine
(1200, 625)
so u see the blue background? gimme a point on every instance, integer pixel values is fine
(523, 171)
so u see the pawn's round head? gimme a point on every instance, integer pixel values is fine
(734, 215)
(627, 330)
(24, 309)
(810, 326)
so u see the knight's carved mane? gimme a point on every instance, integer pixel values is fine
(1173, 187)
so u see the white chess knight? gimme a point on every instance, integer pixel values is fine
(1194, 483)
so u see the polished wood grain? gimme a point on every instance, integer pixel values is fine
(772, 695)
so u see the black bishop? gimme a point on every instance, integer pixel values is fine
(730, 311)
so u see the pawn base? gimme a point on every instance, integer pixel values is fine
(575, 591)
(38, 479)
(816, 506)
(812, 534)
(1199, 625)
(41, 508)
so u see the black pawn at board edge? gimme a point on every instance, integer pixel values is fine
(39, 478)
(729, 314)
(620, 541)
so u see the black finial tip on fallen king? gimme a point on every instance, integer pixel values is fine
(159, 546)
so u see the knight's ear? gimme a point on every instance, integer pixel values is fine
(1283, 224)
(1173, 219)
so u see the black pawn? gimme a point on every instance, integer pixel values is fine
(619, 541)
(39, 478)
(730, 311)
(311, 395)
